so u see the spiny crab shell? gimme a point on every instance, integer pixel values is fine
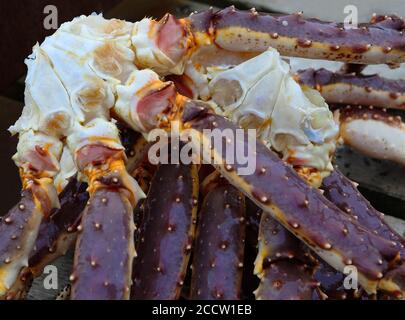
(90, 66)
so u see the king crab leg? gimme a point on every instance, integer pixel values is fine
(285, 268)
(107, 222)
(37, 158)
(346, 241)
(167, 234)
(380, 41)
(219, 246)
(340, 241)
(279, 244)
(344, 194)
(358, 124)
(58, 233)
(362, 127)
(355, 89)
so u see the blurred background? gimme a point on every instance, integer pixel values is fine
(22, 25)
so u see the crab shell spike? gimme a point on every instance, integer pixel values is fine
(344, 194)
(168, 232)
(235, 30)
(58, 233)
(319, 222)
(19, 229)
(285, 271)
(364, 127)
(105, 248)
(349, 88)
(219, 249)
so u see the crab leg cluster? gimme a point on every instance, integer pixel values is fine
(103, 71)
(77, 111)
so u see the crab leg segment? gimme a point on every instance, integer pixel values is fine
(37, 157)
(284, 268)
(344, 194)
(18, 231)
(362, 127)
(218, 257)
(58, 233)
(332, 282)
(167, 236)
(335, 237)
(293, 35)
(356, 89)
(105, 249)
